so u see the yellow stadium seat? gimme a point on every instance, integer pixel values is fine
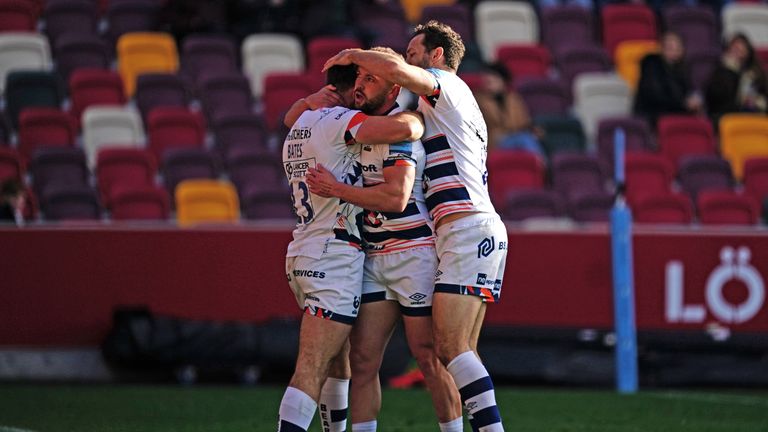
(204, 200)
(144, 52)
(628, 56)
(743, 136)
(413, 8)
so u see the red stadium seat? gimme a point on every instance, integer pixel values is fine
(525, 60)
(321, 49)
(681, 136)
(623, 22)
(11, 165)
(123, 168)
(173, 127)
(647, 174)
(18, 15)
(94, 87)
(665, 207)
(140, 203)
(756, 178)
(45, 127)
(727, 207)
(281, 90)
(512, 169)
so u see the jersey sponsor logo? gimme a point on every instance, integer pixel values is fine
(294, 150)
(485, 247)
(369, 168)
(309, 274)
(298, 168)
(299, 134)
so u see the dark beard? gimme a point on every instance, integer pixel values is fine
(372, 105)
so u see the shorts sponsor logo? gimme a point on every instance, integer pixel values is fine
(356, 302)
(481, 278)
(485, 247)
(311, 297)
(309, 274)
(438, 274)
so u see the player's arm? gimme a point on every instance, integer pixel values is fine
(323, 98)
(403, 126)
(390, 196)
(389, 67)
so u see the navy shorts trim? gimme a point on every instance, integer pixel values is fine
(486, 294)
(373, 297)
(423, 311)
(329, 315)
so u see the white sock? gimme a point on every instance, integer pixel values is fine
(369, 426)
(333, 405)
(477, 393)
(455, 425)
(296, 409)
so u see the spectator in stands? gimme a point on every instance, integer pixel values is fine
(664, 86)
(12, 202)
(738, 83)
(506, 115)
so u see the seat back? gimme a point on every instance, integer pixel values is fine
(23, 51)
(679, 136)
(206, 201)
(109, 126)
(265, 53)
(139, 53)
(743, 136)
(500, 22)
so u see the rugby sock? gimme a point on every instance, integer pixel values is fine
(369, 426)
(477, 394)
(455, 425)
(333, 405)
(296, 411)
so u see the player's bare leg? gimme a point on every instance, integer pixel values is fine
(445, 396)
(370, 335)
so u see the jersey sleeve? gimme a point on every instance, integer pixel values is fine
(400, 154)
(354, 120)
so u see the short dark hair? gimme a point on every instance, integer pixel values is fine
(342, 77)
(437, 34)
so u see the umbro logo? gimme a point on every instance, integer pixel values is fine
(417, 296)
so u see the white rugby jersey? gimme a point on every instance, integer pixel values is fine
(389, 232)
(324, 136)
(456, 142)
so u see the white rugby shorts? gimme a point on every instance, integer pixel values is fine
(407, 277)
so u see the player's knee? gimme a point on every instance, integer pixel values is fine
(426, 359)
(364, 363)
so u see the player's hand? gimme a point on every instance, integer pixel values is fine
(344, 57)
(324, 98)
(321, 182)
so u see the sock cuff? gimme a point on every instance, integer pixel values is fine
(335, 386)
(466, 368)
(455, 425)
(299, 401)
(369, 426)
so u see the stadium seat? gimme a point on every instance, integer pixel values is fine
(597, 96)
(255, 168)
(139, 53)
(574, 60)
(26, 89)
(524, 61)
(76, 51)
(89, 87)
(522, 204)
(628, 56)
(11, 164)
(696, 25)
(17, 16)
(23, 51)
(667, 208)
(384, 24)
(281, 90)
(756, 178)
(129, 16)
(69, 203)
(267, 204)
(456, 15)
(233, 131)
(206, 201)
(637, 135)
(181, 164)
(413, 8)
(110, 126)
(174, 127)
(743, 136)
(265, 53)
(45, 127)
(500, 22)
(160, 90)
(762, 55)
(727, 208)
(544, 96)
(320, 49)
(750, 19)
(69, 17)
(591, 207)
(566, 25)
(225, 93)
(704, 172)
(203, 54)
(140, 203)
(621, 22)
(56, 167)
(679, 136)
(513, 169)
(562, 134)
(700, 65)
(646, 174)
(575, 174)
(123, 168)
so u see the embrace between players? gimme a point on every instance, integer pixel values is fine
(394, 219)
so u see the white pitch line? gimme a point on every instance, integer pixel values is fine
(13, 429)
(714, 398)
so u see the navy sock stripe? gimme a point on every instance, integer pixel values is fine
(289, 427)
(487, 416)
(475, 388)
(338, 415)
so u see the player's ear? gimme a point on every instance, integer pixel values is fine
(437, 53)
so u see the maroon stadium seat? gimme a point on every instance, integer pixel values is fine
(679, 136)
(140, 203)
(123, 168)
(174, 127)
(513, 169)
(524, 60)
(647, 174)
(94, 87)
(45, 127)
(665, 207)
(727, 207)
(622, 22)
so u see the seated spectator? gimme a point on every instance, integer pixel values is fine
(664, 87)
(506, 115)
(12, 202)
(738, 83)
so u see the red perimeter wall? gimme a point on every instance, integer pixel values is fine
(58, 285)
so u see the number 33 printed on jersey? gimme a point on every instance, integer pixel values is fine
(296, 171)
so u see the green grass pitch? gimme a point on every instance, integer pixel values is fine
(55, 408)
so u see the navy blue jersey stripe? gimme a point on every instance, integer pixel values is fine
(343, 235)
(486, 416)
(475, 388)
(410, 210)
(289, 427)
(409, 234)
(441, 170)
(435, 144)
(338, 415)
(446, 196)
